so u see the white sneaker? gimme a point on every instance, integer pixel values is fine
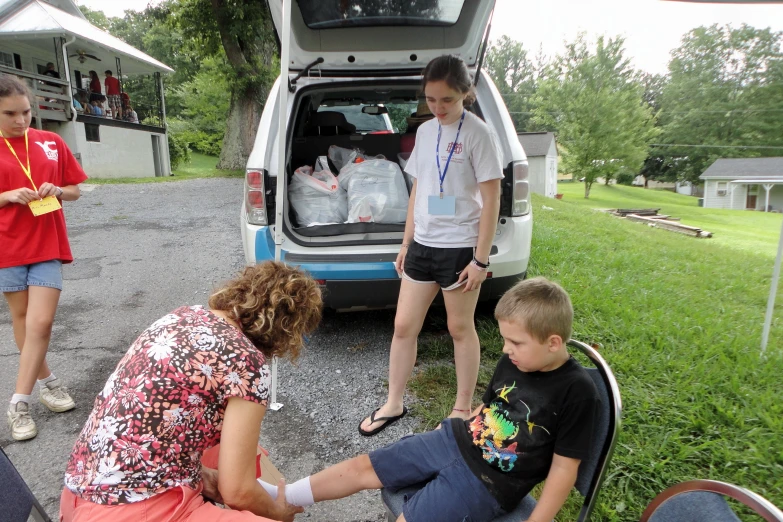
(55, 397)
(19, 420)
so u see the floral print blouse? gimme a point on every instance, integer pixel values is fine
(163, 406)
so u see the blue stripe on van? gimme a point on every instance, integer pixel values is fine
(265, 245)
(350, 271)
(265, 250)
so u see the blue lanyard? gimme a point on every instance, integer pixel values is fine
(442, 175)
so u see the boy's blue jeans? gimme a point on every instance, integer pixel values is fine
(451, 493)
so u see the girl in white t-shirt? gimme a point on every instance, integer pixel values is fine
(452, 216)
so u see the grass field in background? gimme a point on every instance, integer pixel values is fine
(200, 166)
(738, 229)
(680, 321)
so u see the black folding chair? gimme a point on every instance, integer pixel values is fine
(705, 501)
(17, 502)
(591, 471)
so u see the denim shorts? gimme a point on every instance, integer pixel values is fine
(450, 492)
(45, 273)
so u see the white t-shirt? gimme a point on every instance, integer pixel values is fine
(476, 159)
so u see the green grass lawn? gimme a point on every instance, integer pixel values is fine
(736, 229)
(680, 322)
(200, 166)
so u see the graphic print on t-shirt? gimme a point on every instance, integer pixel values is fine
(494, 429)
(457, 148)
(49, 148)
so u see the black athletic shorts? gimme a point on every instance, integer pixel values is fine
(443, 266)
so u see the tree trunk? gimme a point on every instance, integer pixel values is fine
(251, 54)
(587, 189)
(244, 115)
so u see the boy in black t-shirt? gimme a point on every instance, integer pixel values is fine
(535, 424)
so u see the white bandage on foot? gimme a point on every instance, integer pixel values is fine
(298, 494)
(272, 490)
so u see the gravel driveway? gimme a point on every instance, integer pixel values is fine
(143, 250)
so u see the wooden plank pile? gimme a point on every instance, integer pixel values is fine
(651, 217)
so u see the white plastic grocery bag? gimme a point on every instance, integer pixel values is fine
(376, 191)
(317, 197)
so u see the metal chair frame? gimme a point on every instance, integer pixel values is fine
(763, 507)
(37, 513)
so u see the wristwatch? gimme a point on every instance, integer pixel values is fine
(59, 192)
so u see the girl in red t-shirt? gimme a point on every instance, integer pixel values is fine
(37, 173)
(95, 88)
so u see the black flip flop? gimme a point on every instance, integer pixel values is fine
(389, 422)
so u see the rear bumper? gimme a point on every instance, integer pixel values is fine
(361, 280)
(383, 293)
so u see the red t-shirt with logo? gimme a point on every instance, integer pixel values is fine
(24, 238)
(112, 85)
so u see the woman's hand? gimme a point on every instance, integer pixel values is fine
(283, 510)
(399, 264)
(47, 189)
(209, 477)
(474, 277)
(20, 196)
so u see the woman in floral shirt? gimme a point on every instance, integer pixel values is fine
(194, 377)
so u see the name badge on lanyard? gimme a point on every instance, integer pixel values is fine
(442, 205)
(41, 206)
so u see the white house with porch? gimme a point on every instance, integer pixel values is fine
(744, 184)
(34, 33)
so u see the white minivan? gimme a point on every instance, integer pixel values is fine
(355, 68)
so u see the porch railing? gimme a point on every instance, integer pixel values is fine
(51, 99)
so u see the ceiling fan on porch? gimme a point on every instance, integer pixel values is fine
(82, 56)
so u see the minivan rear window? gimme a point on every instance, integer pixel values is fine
(328, 14)
(364, 123)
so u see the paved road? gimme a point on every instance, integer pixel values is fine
(143, 250)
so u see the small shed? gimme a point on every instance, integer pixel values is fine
(541, 151)
(744, 184)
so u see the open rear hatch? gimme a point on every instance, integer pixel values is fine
(368, 36)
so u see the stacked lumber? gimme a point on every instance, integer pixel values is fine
(651, 217)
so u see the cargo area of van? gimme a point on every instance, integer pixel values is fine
(338, 130)
(377, 123)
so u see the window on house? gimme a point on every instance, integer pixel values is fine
(92, 132)
(7, 59)
(722, 188)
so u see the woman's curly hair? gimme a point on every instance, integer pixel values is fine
(275, 304)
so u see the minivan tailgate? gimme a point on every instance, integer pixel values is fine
(354, 35)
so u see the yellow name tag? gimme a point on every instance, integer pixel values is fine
(44, 206)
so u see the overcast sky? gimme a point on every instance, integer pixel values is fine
(652, 28)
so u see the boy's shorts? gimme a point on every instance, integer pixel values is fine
(19, 278)
(452, 492)
(443, 266)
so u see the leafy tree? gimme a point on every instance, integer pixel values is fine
(592, 100)
(515, 76)
(245, 32)
(399, 113)
(203, 122)
(653, 88)
(725, 90)
(95, 17)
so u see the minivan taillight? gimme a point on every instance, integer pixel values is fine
(520, 202)
(255, 200)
